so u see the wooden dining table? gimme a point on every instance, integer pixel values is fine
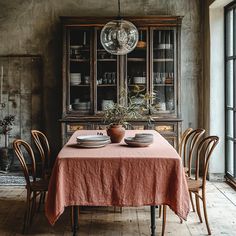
(117, 175)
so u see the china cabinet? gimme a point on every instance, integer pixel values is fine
(94, 78)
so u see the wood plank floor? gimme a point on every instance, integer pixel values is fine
(221, 200)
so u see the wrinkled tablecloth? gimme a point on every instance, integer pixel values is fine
(117, 175)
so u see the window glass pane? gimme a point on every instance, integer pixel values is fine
(234, 25)
(229, 33)
(230, 157)
(230, 124)
(229, 83)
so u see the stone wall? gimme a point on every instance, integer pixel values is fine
(33, 27)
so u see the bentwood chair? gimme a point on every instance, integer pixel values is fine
(34, 187)
(197, 185)
(42, 145)
(187, 148)
(183, 140)
(190, 149)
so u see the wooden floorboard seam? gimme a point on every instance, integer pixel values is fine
(223, 194)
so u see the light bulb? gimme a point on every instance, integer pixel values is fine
(119, 37)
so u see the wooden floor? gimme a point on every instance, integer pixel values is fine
(132, 221)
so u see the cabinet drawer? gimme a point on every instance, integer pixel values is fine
(70, 128)
(166, 128)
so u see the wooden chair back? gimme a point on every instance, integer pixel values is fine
(183, 140)
(190, 145)
(23, 150)
(42, 145)
(204, 151)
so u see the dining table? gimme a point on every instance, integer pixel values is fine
(117, 175)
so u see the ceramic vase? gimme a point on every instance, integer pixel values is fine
(116, 133)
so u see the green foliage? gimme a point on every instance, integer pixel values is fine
(6, 123)
(121, 114)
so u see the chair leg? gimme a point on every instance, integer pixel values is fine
(163, 220)
(198, 207)
(27, 213)
(159, 211)
(33, 207)
(191, 199)
(40, 201)
(205, 213)
(44, 196)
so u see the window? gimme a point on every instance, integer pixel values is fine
(230, 86)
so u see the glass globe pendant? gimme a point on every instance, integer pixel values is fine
(119, 37)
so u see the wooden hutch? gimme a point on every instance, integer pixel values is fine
(93, 78)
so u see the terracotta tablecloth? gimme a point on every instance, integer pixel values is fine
(117, 175)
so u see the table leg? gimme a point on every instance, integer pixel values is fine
(75, 219)
(153, 221)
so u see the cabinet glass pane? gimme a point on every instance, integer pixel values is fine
(137, 69)
(229, 84)
(229, 33)
(106, 77)
(79, 70)
(163, 76)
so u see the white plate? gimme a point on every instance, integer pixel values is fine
(90, 146)
(92, 138)
(131, 142)
(94, 143)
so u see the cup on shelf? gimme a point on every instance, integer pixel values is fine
(76, 100)
(86, 79)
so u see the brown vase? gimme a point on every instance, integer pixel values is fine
(116, 133)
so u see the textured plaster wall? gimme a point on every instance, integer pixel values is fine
(33, 27)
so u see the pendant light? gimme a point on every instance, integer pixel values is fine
(119, 36)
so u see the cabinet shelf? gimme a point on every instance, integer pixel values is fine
(162, 85)
(80, 85)
(163, 60)
(106, 85)
(79, 60)
(107, 60)
(155, 49)
(137, 84)
(136, 59)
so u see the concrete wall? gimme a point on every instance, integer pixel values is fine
(33, 27)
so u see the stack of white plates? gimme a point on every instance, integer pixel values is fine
(107, 104)
(139, 80)
(93, 141)
(75, 78)
(140, 140)
(81, 106)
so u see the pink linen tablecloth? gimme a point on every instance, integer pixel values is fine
(117, 175)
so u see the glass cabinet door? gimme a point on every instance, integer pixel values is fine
(137, 72)
(105, 77)
(79, 74)
(163, 70)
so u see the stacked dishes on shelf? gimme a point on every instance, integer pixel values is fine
(75, 78)
(81, 106)
(107, 103)
(139, 140)
(139, 80)
(93, 141)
